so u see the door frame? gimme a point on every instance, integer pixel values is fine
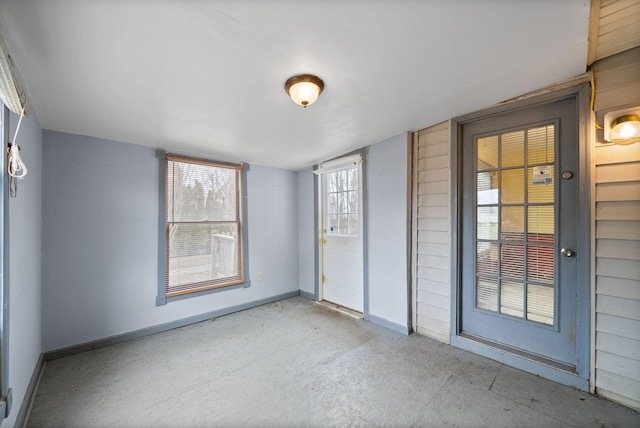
(581, 92)
(317, 223)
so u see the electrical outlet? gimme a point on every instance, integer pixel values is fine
(260, 276)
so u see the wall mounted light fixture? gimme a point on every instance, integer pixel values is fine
(304, 89)
(622, 126)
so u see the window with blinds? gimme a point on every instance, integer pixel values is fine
(204, 226)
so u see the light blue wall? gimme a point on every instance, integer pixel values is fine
(100, 208)
(25, 219)
(388, 205)
(306, 257)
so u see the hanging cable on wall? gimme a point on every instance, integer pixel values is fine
(16, 168)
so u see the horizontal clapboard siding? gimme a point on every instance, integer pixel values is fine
(433, 235)
(617, 233)
(614, 27)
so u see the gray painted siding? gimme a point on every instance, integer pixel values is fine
(432, 184)
(99, 270)
(25, 220)
(617, 237)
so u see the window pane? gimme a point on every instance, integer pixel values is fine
(512, 298)
(512, 223)
(332, 206)
(354, 227)
(353, 178)
(540, 144)
(487, 223)
(487, 258)
(540, 264)
(512, 149)
(487, 152)
(512, 185)
(540, 191)
(202, 252)
(342, 202)
(487, 294)
(343, 224)
(512, 261)
(541, 223)
(333, 224)
(353, 202)
(201, 193)
(540, 304)
(487, 188)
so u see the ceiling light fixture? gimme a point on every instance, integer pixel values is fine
(304, 89)
(622, 127)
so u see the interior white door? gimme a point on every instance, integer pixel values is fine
(341, 239)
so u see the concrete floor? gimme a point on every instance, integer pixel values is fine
(297, 363)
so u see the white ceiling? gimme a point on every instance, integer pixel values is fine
(206, 77)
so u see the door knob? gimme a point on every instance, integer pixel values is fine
(567, 252)
(323, 240)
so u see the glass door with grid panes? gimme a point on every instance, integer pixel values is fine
(520, 190)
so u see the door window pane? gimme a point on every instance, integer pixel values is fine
(487, 258)
(487, 223)
(512, 261)
(511, 149)
(487, 294)
(540, 304)
(541, 223)
(540, 145)
(512, 185)
(538, 191)
(487, 153)
(512, 298)
(540, 264)
(512, 223)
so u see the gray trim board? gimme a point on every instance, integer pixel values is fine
(161, 297)
(307, 295)
(316, 241)
(409, 246)
(4, 272)
(136, 334)
(30, 393)
(365, 228)
(398, 328)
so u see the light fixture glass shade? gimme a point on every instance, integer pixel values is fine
(304, 89)
(625, 129)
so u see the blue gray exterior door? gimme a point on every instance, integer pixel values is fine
(520, 189)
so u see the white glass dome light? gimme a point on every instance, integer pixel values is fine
(304, 89)
(623, 126)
